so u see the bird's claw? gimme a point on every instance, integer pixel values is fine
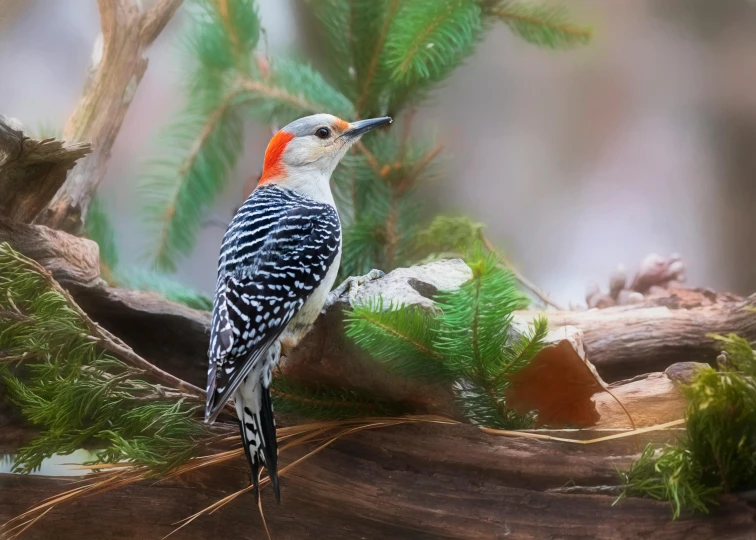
(351, 285)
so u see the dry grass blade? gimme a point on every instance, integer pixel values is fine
(25, 525)
(315, 430)
(543, 436)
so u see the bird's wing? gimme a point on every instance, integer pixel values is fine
(266, 275)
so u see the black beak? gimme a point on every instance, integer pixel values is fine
(363, 126)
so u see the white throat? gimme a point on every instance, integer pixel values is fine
(310, 181)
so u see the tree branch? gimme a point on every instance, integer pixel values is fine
(118, 65)
(156, 18)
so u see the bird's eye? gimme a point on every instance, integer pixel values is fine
(323, 133)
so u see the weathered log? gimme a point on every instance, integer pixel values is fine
(31, 171)
(118, 65)
(621, 342)
(412, 481)
(651, 399)
(72, 261)
(625, 341)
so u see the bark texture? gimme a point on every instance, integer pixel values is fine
(31, 171)
(412, 481)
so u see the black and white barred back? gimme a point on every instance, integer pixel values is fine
(276, 251)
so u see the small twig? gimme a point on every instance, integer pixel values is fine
(406, 128)
(407, 181)
(369, 156)
(525, 282)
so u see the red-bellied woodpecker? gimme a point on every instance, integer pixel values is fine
(278, 262)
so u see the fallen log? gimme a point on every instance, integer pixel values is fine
(458, 483)
(414, 481)
(622, 342)
(625, 341)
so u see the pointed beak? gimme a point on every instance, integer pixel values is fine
(361, 127)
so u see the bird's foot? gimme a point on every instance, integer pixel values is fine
(351, 285)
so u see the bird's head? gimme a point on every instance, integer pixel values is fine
(303, 154)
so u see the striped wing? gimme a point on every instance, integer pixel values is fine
(276, 252)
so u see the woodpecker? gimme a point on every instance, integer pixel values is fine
(278, 261)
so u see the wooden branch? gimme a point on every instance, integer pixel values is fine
(71, 260)
(118, 65)
(424, 481)
(625, 341)
(31, 171)
(156, 18)
(410, 481)
(621, 342)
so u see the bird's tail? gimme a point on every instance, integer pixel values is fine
(258, 430)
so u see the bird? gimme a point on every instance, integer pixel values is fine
(278, 260)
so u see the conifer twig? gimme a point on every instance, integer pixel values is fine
(108, 341)
(540, 24)
(408, 180)
(278, 93)
(372, 68)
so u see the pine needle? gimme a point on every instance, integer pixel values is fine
(541, 24)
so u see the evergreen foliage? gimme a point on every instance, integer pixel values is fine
(466, 344)
(382, 57)
(718, 451)
(324, 403)
(65, 382)
(540, 24)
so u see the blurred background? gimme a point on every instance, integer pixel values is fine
(644, 141)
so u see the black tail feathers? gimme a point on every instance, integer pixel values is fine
(258, 430)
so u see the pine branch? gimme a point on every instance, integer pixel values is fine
(81, 384)
(207, 138)
(401, 337)
(289, 91)
(543, 25)
(177, 193)
(323, 403)
(368, 79)
(429, 39)
(32, 276)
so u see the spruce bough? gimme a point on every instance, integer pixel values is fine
(381, 58)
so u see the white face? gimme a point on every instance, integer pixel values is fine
(316, 146)
(320, 141)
